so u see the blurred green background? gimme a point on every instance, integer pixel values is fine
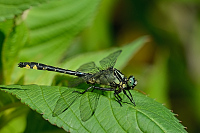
(167, 66)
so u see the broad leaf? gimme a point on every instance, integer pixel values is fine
(43, 35)
(11, 8)
(146, 116)
(53, 25)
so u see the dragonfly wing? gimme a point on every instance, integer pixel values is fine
(88, 105)
(88, 67)
(66, 99)
(110, 60)
(75, 81)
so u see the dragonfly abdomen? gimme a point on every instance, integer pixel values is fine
(39, 66)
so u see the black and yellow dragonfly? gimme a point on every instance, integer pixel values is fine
(105, 75)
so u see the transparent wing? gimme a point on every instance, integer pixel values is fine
(88, 105)
(88, 67)
(75, 82)
(110, 60)
(66, 99)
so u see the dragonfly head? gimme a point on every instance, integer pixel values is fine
(131, 82)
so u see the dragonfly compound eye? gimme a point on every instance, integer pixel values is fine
(131, 81)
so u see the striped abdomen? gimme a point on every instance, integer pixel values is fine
(39, 66)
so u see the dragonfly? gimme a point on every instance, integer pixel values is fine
(108, 77)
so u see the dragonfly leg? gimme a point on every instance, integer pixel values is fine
(92, 89)
(131, 99)
(130, 95)
(104, 89)
(84, 91)
(119, 99)
(95, 87)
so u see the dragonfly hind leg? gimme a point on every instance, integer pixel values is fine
(85, 90)
(94, 87)
(119, 99)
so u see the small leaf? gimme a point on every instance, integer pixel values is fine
(147, 116)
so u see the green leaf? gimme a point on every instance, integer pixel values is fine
(10, 8)
(51, 28)
(11, 47)
(146, 116)
(36, 124)
(53, 25)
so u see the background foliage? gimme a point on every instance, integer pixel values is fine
(167, 66)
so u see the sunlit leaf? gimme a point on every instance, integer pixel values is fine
(146, 116)
(10, 8)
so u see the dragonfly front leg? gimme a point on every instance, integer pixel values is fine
(130, 98)
(116, 93)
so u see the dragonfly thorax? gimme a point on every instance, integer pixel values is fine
(103, 77)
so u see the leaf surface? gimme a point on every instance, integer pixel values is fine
(51, 27)
(147, 116)
(10, 8)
